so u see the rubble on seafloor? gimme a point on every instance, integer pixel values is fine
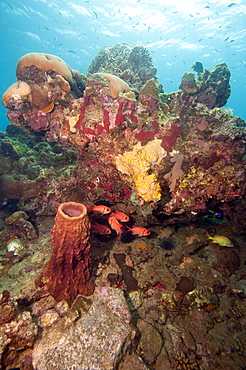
(174, 164)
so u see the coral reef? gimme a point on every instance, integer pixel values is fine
(215, 86)
(68, 272)
(166, 167)
(33, 172)
(124, 108)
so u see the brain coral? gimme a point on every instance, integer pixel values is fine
(16, 95)
(46, 62)
(51, 63)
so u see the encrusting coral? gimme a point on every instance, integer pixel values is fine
(138, 163)
(151, 88)
(189, 84)
(68, 272)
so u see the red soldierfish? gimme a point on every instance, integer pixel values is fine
(114, 223)
(121, 216)
(103, 210)
(140, 231)
(101, 229)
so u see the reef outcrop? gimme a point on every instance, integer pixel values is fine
(43, 81)
(123, 107)
(212, 88)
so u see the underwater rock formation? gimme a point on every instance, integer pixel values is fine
(68, 272)
(44, 80)
(212, 88)
(17, 338)
(7, 308)
(123, 108)
(96, 338)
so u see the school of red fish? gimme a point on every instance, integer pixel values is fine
(115, 220)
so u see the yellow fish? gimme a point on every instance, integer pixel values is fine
(221, 240)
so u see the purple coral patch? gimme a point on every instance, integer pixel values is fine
(37, 119)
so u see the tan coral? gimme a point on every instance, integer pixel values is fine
(40, 99)
(115, 84)
(46, 62)
(19, 92)
(64, 84)
(48, 108)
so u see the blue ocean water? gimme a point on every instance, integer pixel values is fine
(176, 32)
